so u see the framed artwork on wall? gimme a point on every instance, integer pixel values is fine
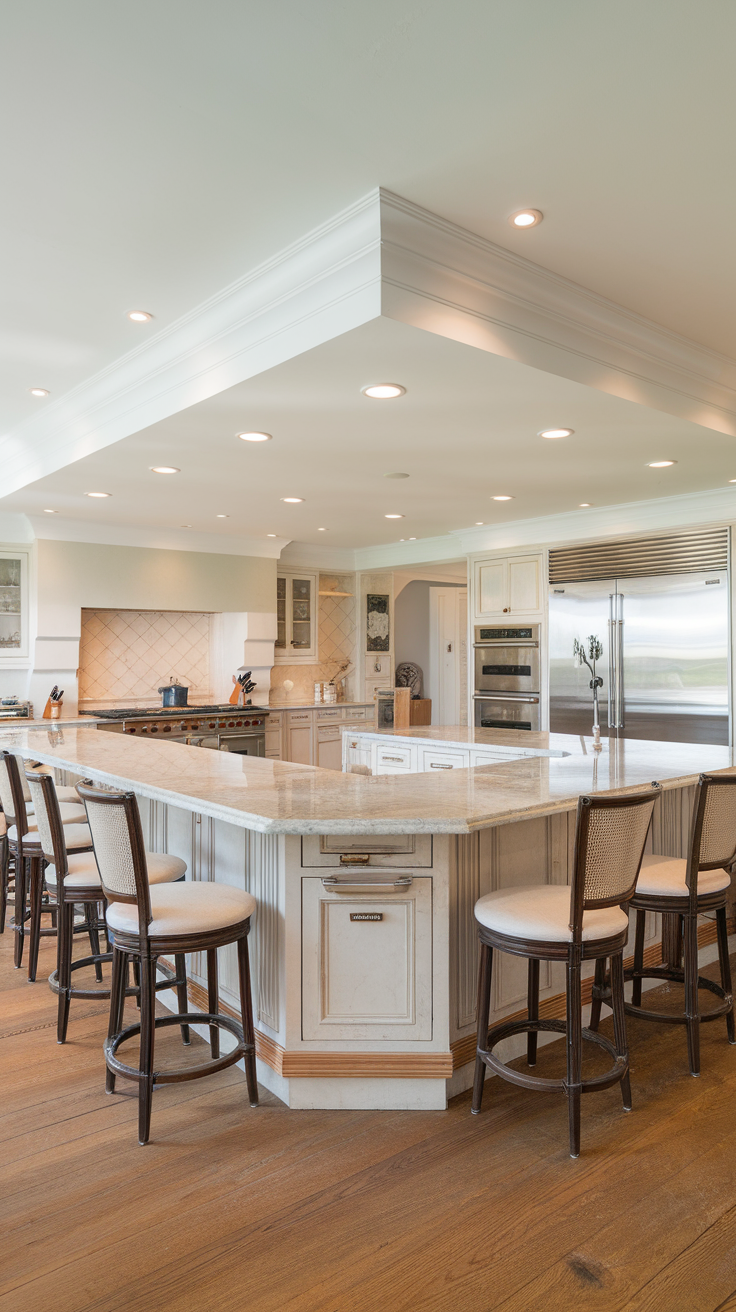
(377, 622)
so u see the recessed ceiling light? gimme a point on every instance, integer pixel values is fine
(222, 516)
(412, 539)
(503, 498)
(270, 535)
(254, 437)
(585, 505)
(525, 218)
(556, 432)
(396, 476)
(321, 530)
(98, 494)
(164, 469)
(293, 501)
(393, 517)
(38, 391)
(139, 316)
(660, 464)
(50, 512)
(732, 480)
(479, 523)
(383, 391)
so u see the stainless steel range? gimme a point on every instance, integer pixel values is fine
(222, 728)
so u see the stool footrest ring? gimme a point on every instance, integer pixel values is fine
(183, 1073)
(613, 1075)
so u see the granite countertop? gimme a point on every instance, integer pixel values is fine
(311, 706)
(505, 740)
(281, 798)
(39, 722)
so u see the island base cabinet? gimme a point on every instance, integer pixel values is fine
(367, 961)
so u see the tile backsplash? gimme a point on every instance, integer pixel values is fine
(127, 655)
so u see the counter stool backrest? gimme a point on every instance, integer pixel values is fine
(713, 826)
(609, 846)
(48, 818)
(117, 838)
(11, 793)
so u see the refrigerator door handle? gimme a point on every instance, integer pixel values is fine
(612, 649)
(620, 661)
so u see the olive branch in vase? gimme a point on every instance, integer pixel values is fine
(595, 651)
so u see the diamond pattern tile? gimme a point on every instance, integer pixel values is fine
(128, 653)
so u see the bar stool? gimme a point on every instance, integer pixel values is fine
(5, 875)
(75, 881)
(25, 846)
(552, 922)
(687, 888)
(150, 920)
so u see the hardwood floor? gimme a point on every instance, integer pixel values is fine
(232, 1209)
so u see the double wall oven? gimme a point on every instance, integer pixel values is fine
(507, 677)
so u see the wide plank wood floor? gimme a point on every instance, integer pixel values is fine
(233, 1209)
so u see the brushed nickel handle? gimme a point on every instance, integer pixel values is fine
(435, 765)
(350, 885)
(400, 759)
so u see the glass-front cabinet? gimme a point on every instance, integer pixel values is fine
(13, 605)
(296, 616)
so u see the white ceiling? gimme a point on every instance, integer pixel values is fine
(466, 430)
(155, 153)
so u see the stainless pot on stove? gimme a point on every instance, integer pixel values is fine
(174, 693)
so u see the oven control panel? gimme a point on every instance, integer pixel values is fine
(178, 728)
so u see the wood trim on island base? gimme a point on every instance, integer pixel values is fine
(307, 1065)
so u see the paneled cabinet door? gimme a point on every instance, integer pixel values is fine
(367, 961)
(509, 586)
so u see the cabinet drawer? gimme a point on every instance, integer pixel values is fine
(299, 717)
(398, 757)
(359, 713)
(384, 851)
(367, 961)
(431, 759)
(330, 713)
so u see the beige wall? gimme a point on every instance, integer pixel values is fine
(76, 574)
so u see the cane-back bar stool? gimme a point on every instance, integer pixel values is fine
(556, 923)
(25, 847)
(688, 888)
(153, 920)
(75, 881)
(5, 873)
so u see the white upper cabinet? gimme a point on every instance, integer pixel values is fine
(510, 585)
(296, 613)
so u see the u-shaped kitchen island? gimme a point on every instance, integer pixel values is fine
(364, 947)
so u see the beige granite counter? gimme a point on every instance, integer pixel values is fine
(37, 721)
(279, 797)
(462, 735)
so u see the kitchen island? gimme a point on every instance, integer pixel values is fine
(379, 1012)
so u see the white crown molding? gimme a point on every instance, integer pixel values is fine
(446, 280)
(318, 288)
(163, 539)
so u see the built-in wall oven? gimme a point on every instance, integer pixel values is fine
(507, 677)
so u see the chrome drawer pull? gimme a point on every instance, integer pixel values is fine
(350, 885)
(393, 758)
(435, 765)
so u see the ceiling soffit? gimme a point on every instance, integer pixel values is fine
(382, 256)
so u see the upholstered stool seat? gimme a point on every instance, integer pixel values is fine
(542, 912)
(83, 872)
(665, 876)
(185, 909)
(77, 838)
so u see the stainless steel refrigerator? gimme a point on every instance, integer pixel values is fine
(665, 656)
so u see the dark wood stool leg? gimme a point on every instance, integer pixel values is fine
(4, 881)
(36, 897)
(117, 1004)
(246, 1011)
(532, 1009)
(148, 1032)
(672, 938)
(574, 1050)
(725, 966)
(137, 980)
(485, 969)
(213, 999)
(619, 1023)
(180, 965)
(20, 911)
(90, 915)
(692, 1009)
(65, 941)
(599, 984)
(641, 917)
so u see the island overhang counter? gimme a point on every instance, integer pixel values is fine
(364, 942)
